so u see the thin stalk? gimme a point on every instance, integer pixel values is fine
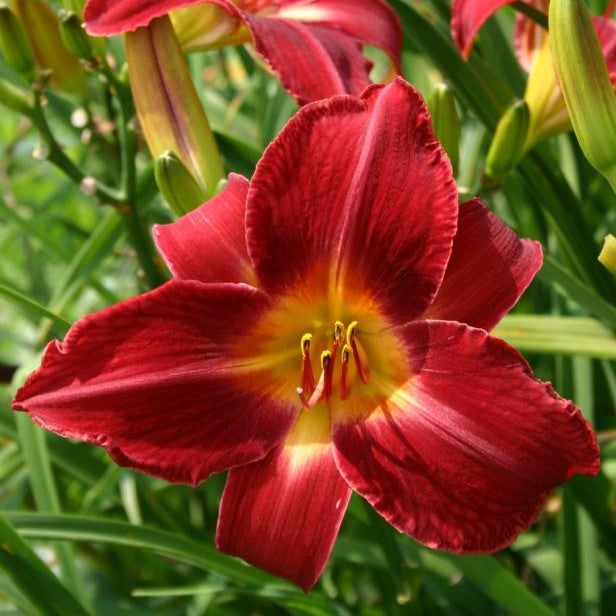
(56, 155)
(138, 235)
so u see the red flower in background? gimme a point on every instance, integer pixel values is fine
(326, 331)
(313, 46)
(467, 17)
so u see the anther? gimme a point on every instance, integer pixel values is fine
(338, 334)
(359, 354)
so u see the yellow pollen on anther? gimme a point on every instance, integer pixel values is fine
(359, 355)
(305, 344)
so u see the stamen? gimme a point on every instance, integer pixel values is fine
(307, 374)
(346, 356)
(359, 355)
(324, 386)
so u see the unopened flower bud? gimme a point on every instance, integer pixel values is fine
(507, 147)
(14, 98)
(607, 256)
(14, 43)
(170, 112)
(43, 31)
(446, 121)
(177, 185)
(585, 82)
(74, 36)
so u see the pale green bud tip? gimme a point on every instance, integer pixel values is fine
(74, 36)
(607, 256)
(507, 147)
(446, 121)
(585, 83)
(14, 44)
(177, 185)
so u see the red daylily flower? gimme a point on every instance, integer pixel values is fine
(313, 46)
(467, 17)
(326, 331)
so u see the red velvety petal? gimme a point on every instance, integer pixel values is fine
(155, 381)
(283, 513)
(467, 17)
(465, 453)
(109, 17)
(489, 269)
(370, 21)
(312, 61)
(362, 187)
(209, 243)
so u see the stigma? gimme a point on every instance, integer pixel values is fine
(343, 362)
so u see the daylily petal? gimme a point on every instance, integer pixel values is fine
(156, 381)
(362, 188)
(208, 244)
(464, 454)
(370, 21)
(489, 269)
(283, 513)
(467, 17)
(311, 61)
(109, 17)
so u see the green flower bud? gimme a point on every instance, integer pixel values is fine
(446, 121)
(74, 36)
(607, 256)
(14, 43)
(170, 112)
(585, 82)
(179, 188)
(507, 147)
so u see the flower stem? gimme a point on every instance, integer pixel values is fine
(139, 236)
(125, 200)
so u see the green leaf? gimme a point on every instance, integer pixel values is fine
(555, 334)
(571, 287)
(42, 481)
(497, 582)
(82, 528)
(32, 307)
(33, 578)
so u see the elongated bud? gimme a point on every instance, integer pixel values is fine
(74, 36)
(607, 256)
(14, 43)
(177, 185)
(585, 82)
(507, 147)
(446, 121)
(169, 109)
(43, 30)
(14, 98)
